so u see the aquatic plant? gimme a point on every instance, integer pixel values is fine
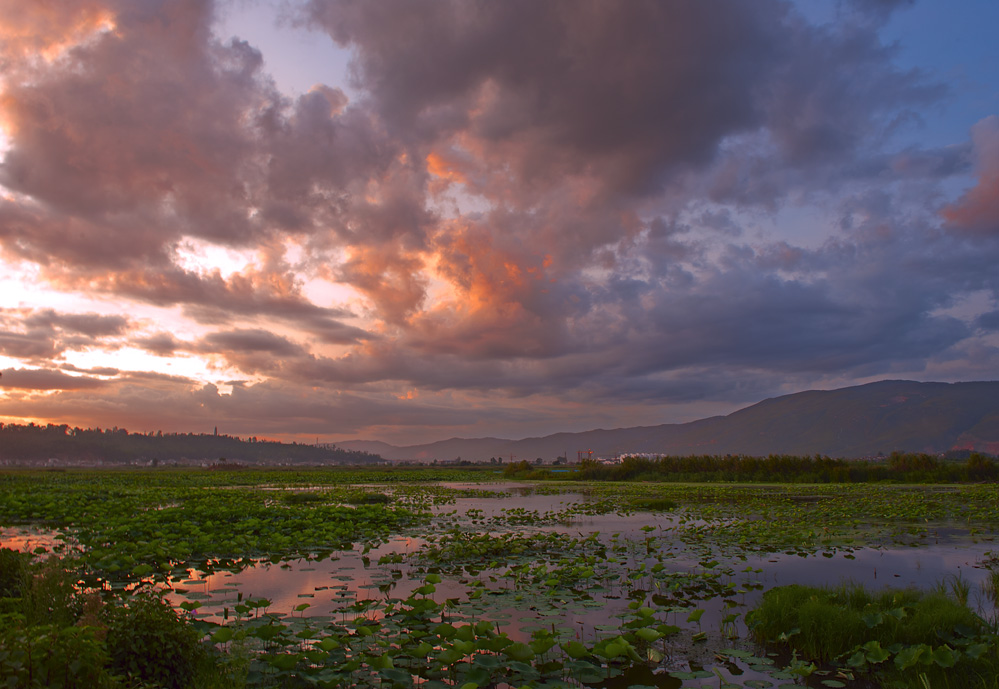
(50, 655)
(501, 595)
(893, 634)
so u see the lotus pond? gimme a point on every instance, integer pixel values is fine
(436, 578)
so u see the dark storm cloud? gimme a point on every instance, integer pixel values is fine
(622, 92)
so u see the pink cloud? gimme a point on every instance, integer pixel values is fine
(977, 211)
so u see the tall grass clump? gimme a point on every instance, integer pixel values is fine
(362, 497)
(902, 638)
(652, 504)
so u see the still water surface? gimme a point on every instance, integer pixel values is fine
(723, 583)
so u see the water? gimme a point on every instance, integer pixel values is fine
(637, 558)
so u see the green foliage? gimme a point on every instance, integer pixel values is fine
(304, 497)
(146, 640)
(161, 524)
(518, 469)
(34, 443)
(363, 497)
(13, 571)
(897, 468)
(653, 504)
(51, 596)
(134, 525)
(890, 633)
(51, 656)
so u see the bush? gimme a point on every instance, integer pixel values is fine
(365, 498)
(51, 656)
(50, 595)
(13, 572)
(146, 640)
(303, 497)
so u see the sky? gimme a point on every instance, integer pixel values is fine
(411, 220)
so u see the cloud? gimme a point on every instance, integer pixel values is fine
(877, 11)
(520, 204)
(39, 335)
(143, 403)
(96, 371)
(988, 320)
(250, 341)
(90, 324)
(591, 89)
(28, 346)
(42, 379)
(160, 344)
(976, 213)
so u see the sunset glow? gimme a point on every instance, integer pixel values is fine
(544, 217)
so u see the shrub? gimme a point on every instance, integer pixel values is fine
(147, 641)
(365, 498)
(302, 497)
(50, 595)
(51, 656)
(13, 571)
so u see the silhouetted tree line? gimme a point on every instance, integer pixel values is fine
(898, 467)
(35, 443)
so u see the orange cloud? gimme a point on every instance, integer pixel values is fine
(393, 279)
(438, 166)
(48, 29)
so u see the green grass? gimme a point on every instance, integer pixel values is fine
(653, 504)
(900, 637)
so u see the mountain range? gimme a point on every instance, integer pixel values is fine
(853, 422)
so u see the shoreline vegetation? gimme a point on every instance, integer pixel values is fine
(90, 608)
(898, 467)
(32, 444)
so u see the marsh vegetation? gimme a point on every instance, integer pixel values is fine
(436, 578)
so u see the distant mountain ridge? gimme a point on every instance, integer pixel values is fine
(858, 421)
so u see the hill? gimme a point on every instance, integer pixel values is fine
(859, 421)
(62, 445)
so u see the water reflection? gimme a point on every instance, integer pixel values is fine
(352, 575)
(644, 559)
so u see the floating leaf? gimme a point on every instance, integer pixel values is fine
(945, 656)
